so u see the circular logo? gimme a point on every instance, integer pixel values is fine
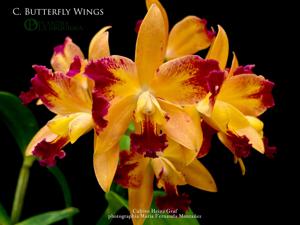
(31, 24)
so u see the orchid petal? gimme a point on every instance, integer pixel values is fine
(64, 54)
(166, 172)
(178, 153)
(226, 117)
(150, 44)
(139, 199)
(119, 116)
(187, 37)
(114, 76)
(181, 127)
(43, 134)
(188, 74)
(105, 165)
(59, 93)
(249, 93)
(197, 175)
(234, 65)
(99, 46)
(219, 48)
(163, 12)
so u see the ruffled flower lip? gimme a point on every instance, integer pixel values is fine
(148, 143)
(47, 152)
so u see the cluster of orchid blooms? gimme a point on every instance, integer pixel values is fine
(176, 100)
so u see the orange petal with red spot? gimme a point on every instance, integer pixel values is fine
(59, 93)
(114, 76)
(249, 93)
(188, 74)
(43, 134)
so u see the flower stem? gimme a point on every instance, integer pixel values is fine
(21, 189)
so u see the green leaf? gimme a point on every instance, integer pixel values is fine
(115, 203)
(125, 143)
(61, 179)
(50, 217)
(23, 126)
(4, 218)
(18, 119)
(116, 200)
(118, 189)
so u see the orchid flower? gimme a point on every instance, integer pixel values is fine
(146, 92)
(239, 98)
(189, 36)
(175, 166)
(67, 93)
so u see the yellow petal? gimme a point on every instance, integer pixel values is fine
(119, 116)
(187, 37)
(181, 127)
(234, 65)
(73, 125)
(166, 172)
(179, 153)
(80, 125)
(105, 165)
(64, 54)
(163, 12)
(257, 124)
(43, 133)
(226, 117)
(60, 124)
(150, 45)
(219, 48)
(139, 199)
(250, 93)
(99, 46)
(197, 175)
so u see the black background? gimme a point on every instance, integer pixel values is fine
(261, 34)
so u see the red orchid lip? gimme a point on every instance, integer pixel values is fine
(148, 143)
(47, 152)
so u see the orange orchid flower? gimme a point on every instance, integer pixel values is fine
(239, 98)
(67, 93)
(146, 92)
